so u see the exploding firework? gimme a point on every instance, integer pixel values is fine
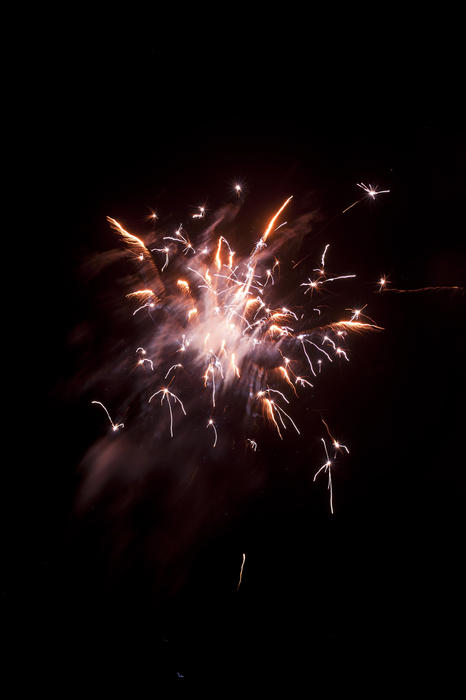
(370, 191)
(223, 316)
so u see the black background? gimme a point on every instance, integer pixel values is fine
(122, 122)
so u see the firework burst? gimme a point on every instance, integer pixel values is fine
(239, 342)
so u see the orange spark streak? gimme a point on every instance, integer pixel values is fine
(234, 365)
(141, 292)
(217, 257)
(184, 286)
(274, 218)
(355, 326)
(422, 289)
(128, 237)
(241, 572)
(271, 415)
(286, 376)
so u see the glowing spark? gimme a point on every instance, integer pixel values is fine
(273, 391)
(200, 214)
(337, 445)
(172, 367)
(269, 277)
(252, 444)
(382, 283)
(149, 305)
(322, 262)
(217, 257)
(166, 394)
(162, 250)
(127, 237)
(370, 191)
(184, 286)
(286, 377)
(271, 407)
(140, 293)
(355, 326)
(234, 365)
(274, 218)
(211, 424)
(304, 382)
(241, 573)
(421, 289)
(327, 466)
(303, 340)
(145, 359)
(181, 239)
(115, 426)
(340, 351)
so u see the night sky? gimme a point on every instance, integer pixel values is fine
(121, 128)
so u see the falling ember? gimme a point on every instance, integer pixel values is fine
(355, 326)
(217, 257)
(382, 283)
(383, 288)
(241, 572)
(371, 192)
(337, 445)
(162, 250)
(166, 395)
(141, 293)
(200, 213)
(126, 236)
(115, 426)
(273, 220)
(145, 359)
(211, 424)
(327, 467)
(184, 286)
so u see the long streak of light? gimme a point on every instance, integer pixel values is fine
(371, 192)
(127, 237)
(115, 426)
(421, 289)
(327, 466)
(166, 394)
(211, 424)
(241, 572)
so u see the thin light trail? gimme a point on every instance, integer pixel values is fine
(211, 424)
(115, 426)
(327, 466)
(166, 394)
(241, 572)
(370, 191)
(385, 289)
(337, 445)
